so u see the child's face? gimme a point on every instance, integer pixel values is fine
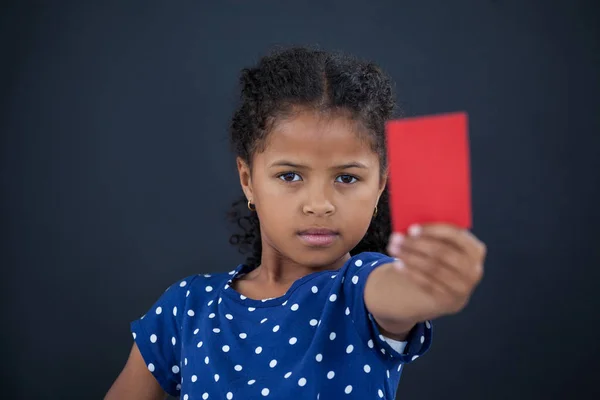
(320, 190)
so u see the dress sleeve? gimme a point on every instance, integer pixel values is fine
(158, 333)
(355, 278)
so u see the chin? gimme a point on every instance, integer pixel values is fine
(319, 258)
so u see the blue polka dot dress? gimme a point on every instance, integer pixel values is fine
(204, 340)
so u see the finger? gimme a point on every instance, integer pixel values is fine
(393, 247)
(461, 238)
(418, 277)
(439, 275)
(438, 250)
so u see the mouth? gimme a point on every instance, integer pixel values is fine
(318, 237)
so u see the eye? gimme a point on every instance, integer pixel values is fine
(347, 179)
(289, 177)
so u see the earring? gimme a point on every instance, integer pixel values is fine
(251, 206)
(375, 212)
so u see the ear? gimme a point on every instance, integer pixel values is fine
(382, 182)
(245, 178)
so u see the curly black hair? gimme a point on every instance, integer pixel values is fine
(318, 80)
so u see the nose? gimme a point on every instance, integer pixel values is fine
(318, 203)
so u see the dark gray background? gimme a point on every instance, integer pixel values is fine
(116, 174)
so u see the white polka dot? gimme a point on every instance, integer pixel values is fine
(243, 335)
(355, 279)
(319, 357)
(293, 340)
(251, 381)
(178, 387)
(330, 375)
(349, 349)
(347, 310)
(319, 323)
(242, 297)
(185, 361)
(209, 288)
(251, 309)
(333, 297)
(370, 343)
(263, 320)
(186, 397)
(134, 335)
(158, 310)
(287, 375)
(216, 377)
(399, 367)
(210, 303)
(216, 330)
(225, 348)
(367, 368)
(220, 299)
(151, 367)
(194, 378)
(199, 344)
(238, 368)
(422, 339)
(294, 307)
(196, 331)
(373, 263)
(206, 360)
(183, 283)
(314, 289)
(273, 363)
(229, 316)
(264, 392)
(205, 396)
(313, 322)
(173, 340)
(415, 357)
(382, 338)
(258, 350)
(175, 369)
(211, 315)
(284, 303)
(348, 389)
(332, 336)
(275, 328)
(333, 276)
(153, 338)
(187, 294)
(191, 313)
(387, 372)
(380, 393)
(302, 381)
(229, 396)
(358, 263)
(382, 351)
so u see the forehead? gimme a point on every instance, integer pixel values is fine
(318, 138)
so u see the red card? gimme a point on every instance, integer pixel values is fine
(429, 175)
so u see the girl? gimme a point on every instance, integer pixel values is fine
(317, 311)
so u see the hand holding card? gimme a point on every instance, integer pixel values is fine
(429, 171)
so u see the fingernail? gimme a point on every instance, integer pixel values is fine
(415, 230)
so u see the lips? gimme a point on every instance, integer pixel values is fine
(318, 231)
(318, 237)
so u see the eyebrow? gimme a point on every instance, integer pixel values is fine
(285, 163)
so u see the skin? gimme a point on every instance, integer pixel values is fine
(438, 265)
